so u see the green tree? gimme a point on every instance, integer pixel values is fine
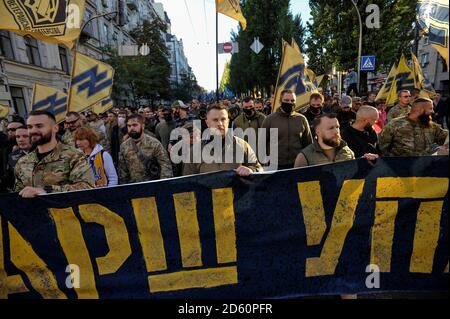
(334, 34)
(144, 77)
(271, 21)
(188, 88)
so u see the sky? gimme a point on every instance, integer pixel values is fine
(194, 21)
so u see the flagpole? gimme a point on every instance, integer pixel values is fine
(217, 56)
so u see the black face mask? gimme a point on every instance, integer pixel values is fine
(249, 112)
(425, 119)
(315, 110)
(287, 107)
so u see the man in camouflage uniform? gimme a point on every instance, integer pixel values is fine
(72, 122)
(413, 135)
(131, 167)
(53, 166)
(402, 108)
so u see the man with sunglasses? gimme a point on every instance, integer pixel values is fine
(403, 106)
(15, 123)
(72, 123)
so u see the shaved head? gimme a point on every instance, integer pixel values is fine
(366, 111)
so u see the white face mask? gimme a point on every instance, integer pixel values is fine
(121, 120)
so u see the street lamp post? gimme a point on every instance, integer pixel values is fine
(360, 43)
(92, 18)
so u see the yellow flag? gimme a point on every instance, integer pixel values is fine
(318, 80)
(420, 81)
(384, 91)
(232, 9)
(292, 75)
(91, 82)
(4, 110)
(404, 80)
(49, 99)
(102, 106)
(55, 21)
(433, 20)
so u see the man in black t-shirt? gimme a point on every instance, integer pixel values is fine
(360, 136)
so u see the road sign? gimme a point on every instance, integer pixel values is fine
(368, 63)
(257, 46)
(144, 49)
(227, 47)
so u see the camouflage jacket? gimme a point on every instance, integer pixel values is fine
(132, 170)
(398, 111)
(69, 138)
(64, 169)
(403, 137)
(239, 151)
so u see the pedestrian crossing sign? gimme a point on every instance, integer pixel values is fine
(368, 63)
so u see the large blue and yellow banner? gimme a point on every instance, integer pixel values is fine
(344, 228)
(56, 21)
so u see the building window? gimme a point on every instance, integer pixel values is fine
(106, 32)
(18, 100)
(425, 59)
(5, 45)
(63, 59)
(32, 51)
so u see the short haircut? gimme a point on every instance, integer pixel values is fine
(247, 99)
(316, 122)
(421, 100)
(286, 92)
(17, 119)
(403, 91)
(23, 127)
(75, 114)
(86, 133)
(316, 96)
(136, 117)
(365, 109)
(259, 101)
(216, 106)
(42, 112)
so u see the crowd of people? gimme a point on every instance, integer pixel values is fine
(122, 146)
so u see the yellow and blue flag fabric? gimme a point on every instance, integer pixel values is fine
(421, 82)
(292, 75)
(49, 99)
(103, 106)
(232, 9)
(432, 16)
(91, 82)
(404, 80)
(4, 110)
(55, 21)
(384, 91)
